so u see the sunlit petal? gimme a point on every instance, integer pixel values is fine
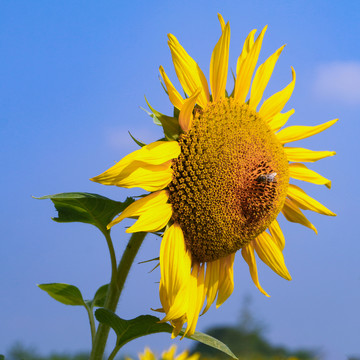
(294, 133)
(219, 65)
(271, 255)
(188, 72)
(248, 254)
(306, 155)
(274, 104)
(292, 213)
(301, 172)
(246, 69)
(262, 77)
(306, 202)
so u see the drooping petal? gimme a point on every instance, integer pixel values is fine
(219, 64)
(152, 211)
(292, 213)
(175, 268)
(262, 77)
(277, 234)
(294, 133)
(211, 282)
(246, 69)
(275, 103)
(279, 120)
(247, 253)
(301, 172)
(306, 202)
(271, 255)
(186, 112)
(306, 155)
(197, 296)
(188, 72)
(226, 281)
(174, 96)
(148, 167)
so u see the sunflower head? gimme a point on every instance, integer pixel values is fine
(219, 179)
(230, 180)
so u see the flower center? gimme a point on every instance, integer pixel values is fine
(229, 181)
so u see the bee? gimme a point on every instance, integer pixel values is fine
(267, 178)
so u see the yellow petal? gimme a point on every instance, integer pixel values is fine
(148, 177)
(248, 44)
(279, 120)
(271, 255)
(262, 77)
(153, 212)
(197, 296)
(293, 213)
(174, 96)
(222, 22)
(178, 325)
(306, 155)
(226, 281)
(275, 103)
(247, 253)
(277, 234)
(188, 72)
(305, 202)
(175, 268)
(186, 112)
(219, 65)
(301, 172)
(211, 282)
(246, 69)
(169, 354)
(147, 355)
(294, 133)
(148, 167)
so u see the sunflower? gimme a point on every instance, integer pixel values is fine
(167, 355)
(219, 178)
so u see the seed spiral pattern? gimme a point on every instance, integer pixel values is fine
(229, 181)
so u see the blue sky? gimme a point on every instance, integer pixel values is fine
(72, 77)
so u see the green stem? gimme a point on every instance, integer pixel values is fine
(112, 256)
(114, 352)
(92, 323)
(114, 292)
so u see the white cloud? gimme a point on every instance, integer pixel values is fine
(338, 82)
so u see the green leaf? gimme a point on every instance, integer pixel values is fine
(2, 357)
(155, 119)
(170, 125)
(140, 143)
(86, 208)
(127, 330)
(100, 296)
(64, 293)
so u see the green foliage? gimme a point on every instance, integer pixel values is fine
(247, 341)
(87, 208)
(64, 293)
(170, 125)
(19, 352)
(127, 330)
(140, 143)
(71, 295)
(100, 296)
